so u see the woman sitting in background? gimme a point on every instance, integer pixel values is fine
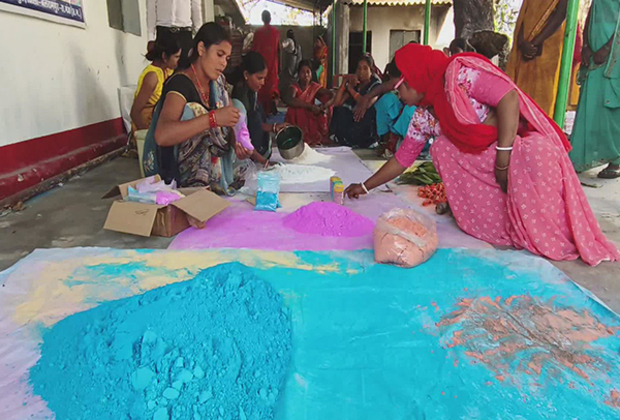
(190, 139)
(247, 80)
(347, 131)
(392, 116)
(308, 105)
(164, 57)
(503, 162)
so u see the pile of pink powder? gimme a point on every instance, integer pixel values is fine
(328, 219)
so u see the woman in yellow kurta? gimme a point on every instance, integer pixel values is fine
(164, 57)
(534, 62)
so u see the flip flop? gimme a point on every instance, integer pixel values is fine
(609, 173)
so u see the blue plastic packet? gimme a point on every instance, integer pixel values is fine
(141, 197)
(268, 190)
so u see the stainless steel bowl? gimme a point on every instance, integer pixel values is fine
(290, 142)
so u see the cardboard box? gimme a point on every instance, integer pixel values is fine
(157, 220)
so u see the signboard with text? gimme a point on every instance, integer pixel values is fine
(68, 12)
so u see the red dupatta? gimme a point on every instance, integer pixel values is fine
(424, 69)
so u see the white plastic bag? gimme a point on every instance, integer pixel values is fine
(251, 179)
(404, 238)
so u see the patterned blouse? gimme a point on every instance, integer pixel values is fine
(484, 91)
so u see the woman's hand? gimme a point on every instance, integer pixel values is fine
(353, 80)
(227, 117)
(260, 160)
(354, 191)
(362, 106)
(502, 179)
(315, 110)
(601, 56)
(282, 126)
(529, 50)
(241, 152)
(586, 56)
(502, 164)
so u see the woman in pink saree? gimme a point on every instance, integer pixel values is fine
(504, 163)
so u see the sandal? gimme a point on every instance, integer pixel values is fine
(609, 173)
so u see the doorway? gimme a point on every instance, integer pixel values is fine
(356, 48)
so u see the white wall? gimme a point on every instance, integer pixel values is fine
(382, 19)
(57, 77)
(445, 30)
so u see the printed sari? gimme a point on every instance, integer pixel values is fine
(203, 160)
(545, 209)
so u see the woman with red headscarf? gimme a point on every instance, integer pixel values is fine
(504, 163)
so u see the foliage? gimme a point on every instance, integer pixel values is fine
(506, 14)
(280, 13)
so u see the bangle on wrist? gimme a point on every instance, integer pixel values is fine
(364, 188)
(212, 120)
(502, 168)
(503, 149)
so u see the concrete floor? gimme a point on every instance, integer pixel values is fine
(73, 215)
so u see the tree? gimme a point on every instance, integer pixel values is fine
(471, 16)
(506, 14)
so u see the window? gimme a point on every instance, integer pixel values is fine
(124, 15)
(399, 39)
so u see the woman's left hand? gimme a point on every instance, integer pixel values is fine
(528, 50)
(281, 127)
(363, 104)
(241, 152)
(316, 110)
(601, 56)
(586, 56)
(502, 179)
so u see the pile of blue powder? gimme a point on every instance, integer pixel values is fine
(216, 347)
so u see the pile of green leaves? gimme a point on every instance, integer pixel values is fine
(423, 174)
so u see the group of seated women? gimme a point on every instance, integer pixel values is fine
(326, 117)
(504, 163)
(189, 113)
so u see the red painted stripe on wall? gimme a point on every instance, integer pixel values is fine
(17, 156)
(25, 164)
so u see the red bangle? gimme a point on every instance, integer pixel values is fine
(212, 120)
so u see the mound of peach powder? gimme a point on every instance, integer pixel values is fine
(328, 219)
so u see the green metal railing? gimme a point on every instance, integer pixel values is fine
(365, 30)
(566, 66)
(427, 22)
(333, 69)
